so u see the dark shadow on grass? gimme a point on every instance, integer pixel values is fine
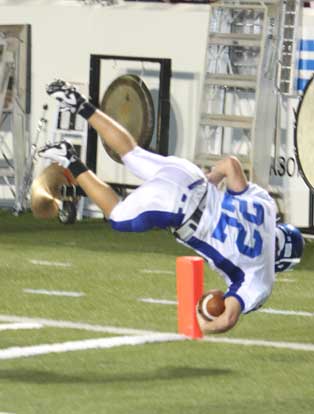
(33, 376)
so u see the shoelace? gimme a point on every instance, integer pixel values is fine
(48, 146)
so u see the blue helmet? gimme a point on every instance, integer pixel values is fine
(289, 247)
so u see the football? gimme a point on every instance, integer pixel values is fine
(211, 304)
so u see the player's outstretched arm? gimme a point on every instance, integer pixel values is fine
(230, 169)
(225, 321)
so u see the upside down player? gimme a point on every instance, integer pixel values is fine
(234, 230)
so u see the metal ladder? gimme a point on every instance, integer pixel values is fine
(238, 99)
(7, 173)
(15, 138)
(291, 18)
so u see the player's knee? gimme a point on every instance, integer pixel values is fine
(233, 162)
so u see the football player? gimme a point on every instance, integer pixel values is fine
(234, 230)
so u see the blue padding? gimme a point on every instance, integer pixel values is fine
(148, 220)
(306, 64)
(302, 83)
(235, 274)
(307, 45)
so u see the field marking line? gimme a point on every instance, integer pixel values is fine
(157, 271)
(158, 301)
(87, 344)
(286, 312)
(142, 333)
(263, 310)
(48, 263)
(54, 292)
(19, 326)
(295, 346)
(76, 325)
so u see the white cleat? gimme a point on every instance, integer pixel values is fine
(70, 99)
(62, 153)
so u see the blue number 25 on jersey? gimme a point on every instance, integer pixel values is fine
(225, 220)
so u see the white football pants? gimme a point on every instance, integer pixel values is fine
(170, 193)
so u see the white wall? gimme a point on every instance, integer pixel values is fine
(63, 37)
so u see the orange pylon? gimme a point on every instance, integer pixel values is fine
(190, 287)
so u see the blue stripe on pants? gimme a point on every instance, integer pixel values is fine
(148, 220)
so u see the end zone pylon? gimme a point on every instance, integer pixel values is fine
(190, 287)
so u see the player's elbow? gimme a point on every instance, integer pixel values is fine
(233, 163)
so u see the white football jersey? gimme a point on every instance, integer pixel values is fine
(236, 235)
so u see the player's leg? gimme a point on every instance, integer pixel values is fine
(141, 163)
(164, 201)
(99, 192)
(46, 191)
(112, 133)
(154, 204)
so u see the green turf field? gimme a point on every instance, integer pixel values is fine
(108, 273)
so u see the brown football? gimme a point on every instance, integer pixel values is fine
(211, 304)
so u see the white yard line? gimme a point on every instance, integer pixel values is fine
(140, 337)
(54, 292)
(286, 312)
(100, 343)
(19, 325)
(263, 310)
(77, 325)
(48, 263)
(158, 301)
(157, 271)
(295, 346)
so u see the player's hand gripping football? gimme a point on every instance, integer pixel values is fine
(215, 313)
(209, 307)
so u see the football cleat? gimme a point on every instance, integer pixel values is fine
(62, 153)
(289, 247)
(68, 96)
